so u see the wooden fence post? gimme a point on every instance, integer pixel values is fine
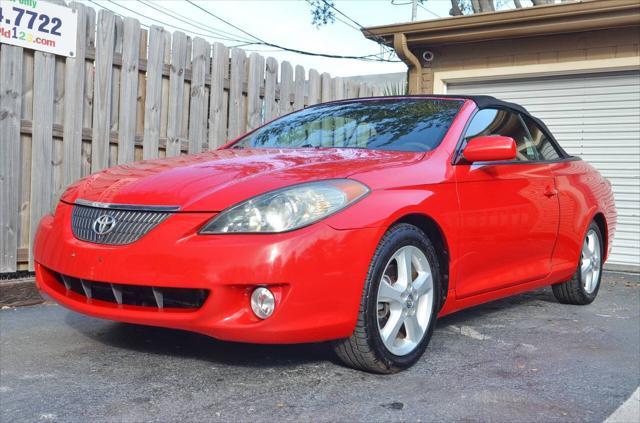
(105, 42)
(89, 79)
(128, 92)
(176, 93)
(314, 87)
(217, 112)
(153, 100)
(142, 95)
(73, 103)
(338, 88)
(254, 103)
(326, 88)
(298, 102)
(236, 82)
(286, 88)
(270, 85)
(10, 110)
(41, 143)
(198, 108)
(115, 88)
(363, 90)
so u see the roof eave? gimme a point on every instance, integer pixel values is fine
(532, 21)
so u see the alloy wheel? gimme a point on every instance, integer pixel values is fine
(590, 261)
(405, 300)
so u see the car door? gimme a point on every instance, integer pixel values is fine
(509, 211)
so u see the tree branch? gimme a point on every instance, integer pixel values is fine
(487, 6)
(455, 8)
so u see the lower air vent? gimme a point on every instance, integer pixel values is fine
(158, 298)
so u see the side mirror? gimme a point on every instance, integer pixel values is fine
(489, 149)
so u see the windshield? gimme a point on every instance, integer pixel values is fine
(398, 125)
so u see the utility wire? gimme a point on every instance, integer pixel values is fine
(342, 13)
(209, 35)
(380, 40)
(429, 11)
(224, 21)
(369, 57)
(113, 11)
(167, 24)
(175, 15)
(337, 18)
(389, 51)
(243, 42)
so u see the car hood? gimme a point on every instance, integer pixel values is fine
(215, 180)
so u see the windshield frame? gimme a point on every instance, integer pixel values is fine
(460, 100)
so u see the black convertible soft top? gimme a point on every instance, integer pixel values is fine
(482, 101)
(486, 102)
(489, 102)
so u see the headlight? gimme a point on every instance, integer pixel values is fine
(287, 208)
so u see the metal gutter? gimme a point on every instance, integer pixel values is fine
(414, 65)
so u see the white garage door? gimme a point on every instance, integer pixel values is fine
(596, 117)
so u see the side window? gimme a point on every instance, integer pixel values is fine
(545, 147)
(505, 123)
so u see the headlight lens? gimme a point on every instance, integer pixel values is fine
(287, 208)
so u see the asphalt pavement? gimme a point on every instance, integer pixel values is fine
(525, 358)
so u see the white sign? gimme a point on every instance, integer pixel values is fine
(39, 25)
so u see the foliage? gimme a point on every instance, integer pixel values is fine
(322, 12)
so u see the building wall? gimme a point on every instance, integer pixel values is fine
(593, 45)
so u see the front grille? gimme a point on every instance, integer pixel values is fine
(158, 298)
(128, 223)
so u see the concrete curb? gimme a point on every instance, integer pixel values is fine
(19, 292)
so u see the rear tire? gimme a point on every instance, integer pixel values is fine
(399, 304)
(583, 286)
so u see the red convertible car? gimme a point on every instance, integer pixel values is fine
(357, 222)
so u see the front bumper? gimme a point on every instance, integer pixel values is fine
(317, 274)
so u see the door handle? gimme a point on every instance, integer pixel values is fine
(550, 192)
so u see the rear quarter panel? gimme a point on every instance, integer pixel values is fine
(583, 193)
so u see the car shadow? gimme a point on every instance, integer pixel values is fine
(541, 298)
(178, 343)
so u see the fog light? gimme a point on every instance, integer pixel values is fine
(262, 302)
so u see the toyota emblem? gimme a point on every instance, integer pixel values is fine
(104, 224)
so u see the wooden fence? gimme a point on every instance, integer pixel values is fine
(129, 94)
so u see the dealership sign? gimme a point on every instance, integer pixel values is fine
(39, 25)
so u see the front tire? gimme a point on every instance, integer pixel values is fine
(583, 286)
(399, 304)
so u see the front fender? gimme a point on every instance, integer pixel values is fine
(383, 207)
